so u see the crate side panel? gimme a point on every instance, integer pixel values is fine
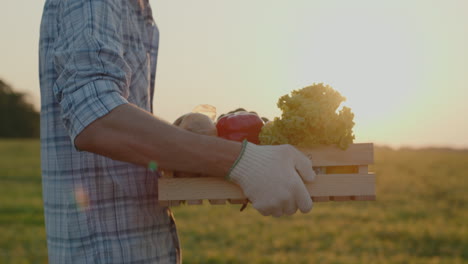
(355, 154)
(198, 189)
(217, 188)
(342, 185)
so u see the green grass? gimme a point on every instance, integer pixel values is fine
(421, 216)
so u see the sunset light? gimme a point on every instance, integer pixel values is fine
(395, 62)
(402, 65)
(242, 131)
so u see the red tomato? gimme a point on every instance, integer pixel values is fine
(239, 126)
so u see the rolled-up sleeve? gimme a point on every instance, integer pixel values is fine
(93, 76)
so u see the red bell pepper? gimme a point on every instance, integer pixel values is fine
(239, 125)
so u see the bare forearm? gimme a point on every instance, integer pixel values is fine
(130, 134)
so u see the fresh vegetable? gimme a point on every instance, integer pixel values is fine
(200, 123)
(310, 118)
(197, 123)
(239, 124)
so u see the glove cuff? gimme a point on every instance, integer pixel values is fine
(251, 162)
(241, 154)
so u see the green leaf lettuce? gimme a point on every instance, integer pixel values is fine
(310, 118)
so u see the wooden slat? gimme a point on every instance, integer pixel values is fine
(342, 185)
(355, 154)
(363, 169)
(213, 188)
(198, 188)
(328, 159)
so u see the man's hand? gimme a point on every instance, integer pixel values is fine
(272, 178)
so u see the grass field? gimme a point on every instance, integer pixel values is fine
(420, 216)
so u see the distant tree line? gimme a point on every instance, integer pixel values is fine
(18, 118)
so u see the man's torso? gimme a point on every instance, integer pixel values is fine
(98, 210)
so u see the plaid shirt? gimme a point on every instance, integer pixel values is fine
(95, 55)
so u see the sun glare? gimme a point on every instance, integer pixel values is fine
(371, 61)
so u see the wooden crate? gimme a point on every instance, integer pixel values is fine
(342, 175)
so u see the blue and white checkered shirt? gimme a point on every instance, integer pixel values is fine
(94, 56)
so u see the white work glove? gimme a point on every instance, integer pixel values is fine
(272, 178)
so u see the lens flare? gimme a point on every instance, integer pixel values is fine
(152, 166)
(81, 199)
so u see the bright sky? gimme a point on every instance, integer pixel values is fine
(403, 65)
